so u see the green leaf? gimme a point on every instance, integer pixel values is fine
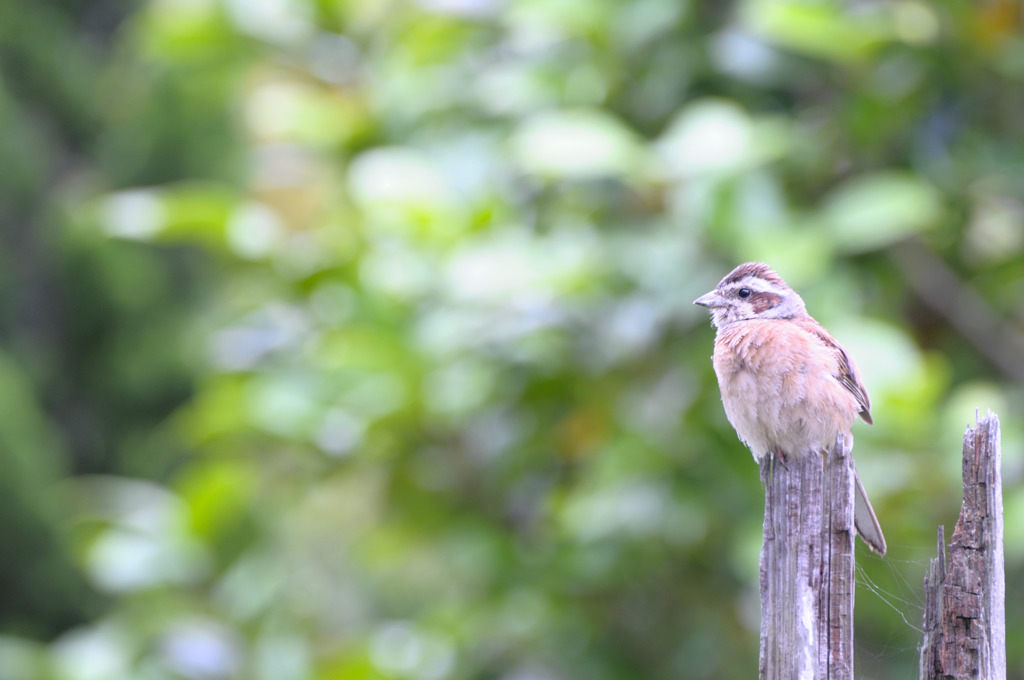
(873, 211)
(820, 29)
(715, 137)
(577, 144)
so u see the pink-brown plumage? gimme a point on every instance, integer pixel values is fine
(788, 387)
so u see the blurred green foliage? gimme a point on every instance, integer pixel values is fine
(353, 338)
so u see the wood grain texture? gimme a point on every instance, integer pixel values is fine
(965, 592)
(807, 559)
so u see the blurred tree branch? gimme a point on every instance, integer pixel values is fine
(941, 289)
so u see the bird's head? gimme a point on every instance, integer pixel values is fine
(751, 291)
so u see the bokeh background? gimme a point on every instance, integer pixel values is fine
(350, 339)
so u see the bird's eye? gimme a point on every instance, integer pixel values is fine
(744, 292)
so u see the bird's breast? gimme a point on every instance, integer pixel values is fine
(779, 388)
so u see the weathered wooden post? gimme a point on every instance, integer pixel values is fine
(964, 618)
(807, 560)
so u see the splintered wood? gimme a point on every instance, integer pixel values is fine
(964, 619)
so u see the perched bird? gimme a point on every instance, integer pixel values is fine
(788, 387)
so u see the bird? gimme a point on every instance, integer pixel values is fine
(788, 387)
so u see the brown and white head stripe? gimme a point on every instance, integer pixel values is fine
(752, 291)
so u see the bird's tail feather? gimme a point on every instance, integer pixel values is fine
(864, 519)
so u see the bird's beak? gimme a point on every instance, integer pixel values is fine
(712, 299)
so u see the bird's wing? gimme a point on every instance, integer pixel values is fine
(847, 375)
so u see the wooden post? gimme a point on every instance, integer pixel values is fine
(807, 559)
(964, 618)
